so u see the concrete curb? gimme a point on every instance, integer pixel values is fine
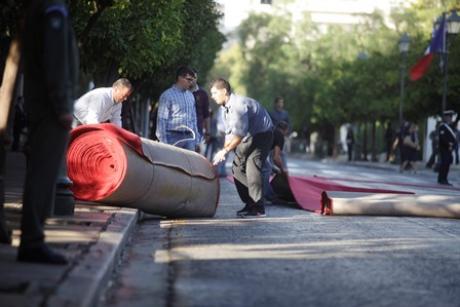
(88, 278)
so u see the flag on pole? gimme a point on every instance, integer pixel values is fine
(437, 45)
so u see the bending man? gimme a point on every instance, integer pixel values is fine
(103, 105)
(249, 132)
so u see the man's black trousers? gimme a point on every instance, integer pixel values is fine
(445, 158)
(48, 141)
(250, 156)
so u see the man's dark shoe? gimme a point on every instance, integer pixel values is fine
(255, 211)
(445, 183)
(41, 254)
(243, 211)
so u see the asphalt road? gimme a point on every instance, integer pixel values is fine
(292, 257)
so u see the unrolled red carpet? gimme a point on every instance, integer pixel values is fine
(344, 196)
(308, 191)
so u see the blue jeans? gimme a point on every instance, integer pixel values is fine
(181, 139)
(266, 172)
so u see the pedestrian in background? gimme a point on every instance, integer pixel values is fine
(202, 110)
(398, 142)
(447, 143)
(350, 139)
(102, 105)
(280, 114)
(50, 59)
(249, 134)
(434, 138)
(306, 135)
(389, 139)
(176, 120)
(409, 148)
(220, 140)
(211, 143)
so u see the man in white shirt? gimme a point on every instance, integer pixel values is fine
(103, 104)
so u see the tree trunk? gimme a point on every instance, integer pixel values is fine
(373, 143)
(365, 142)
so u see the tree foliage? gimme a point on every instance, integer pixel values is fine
(144, 40)
(344, 74)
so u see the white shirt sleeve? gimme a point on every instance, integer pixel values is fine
(94, 111)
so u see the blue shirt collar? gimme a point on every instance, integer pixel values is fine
(177, 88)
(229, 103)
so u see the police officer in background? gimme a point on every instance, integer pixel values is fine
(447, 142)
(50, 58)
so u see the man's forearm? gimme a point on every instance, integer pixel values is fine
(229, 146)
(278, 162)
(232, 143)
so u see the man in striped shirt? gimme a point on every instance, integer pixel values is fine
(176, 122)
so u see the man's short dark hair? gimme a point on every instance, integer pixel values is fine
(185, 71)
(221, 83)
(282, 125)
(123, 82)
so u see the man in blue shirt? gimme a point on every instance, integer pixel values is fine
(249, 132)
(279, 114)
(176, 122)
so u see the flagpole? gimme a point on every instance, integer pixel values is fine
(444, 65)
(403, 49)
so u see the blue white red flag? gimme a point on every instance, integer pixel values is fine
(437, 45)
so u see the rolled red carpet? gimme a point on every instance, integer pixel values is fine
(114, 166)
(96, 160)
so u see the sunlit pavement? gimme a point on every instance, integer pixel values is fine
(293, 257)
(91, 239)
